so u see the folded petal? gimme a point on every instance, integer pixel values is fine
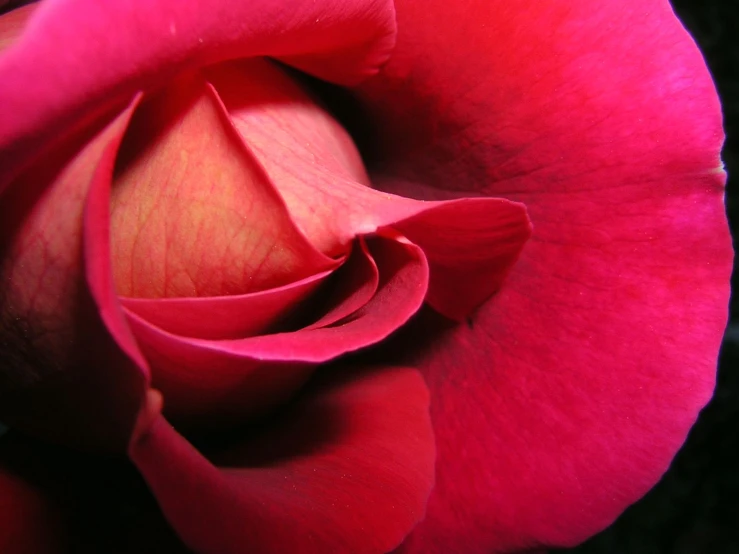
(226, 317)
(565, 398)
(471, 245)
(140, 44)
(205, 381)
(62, 376)
(347, 469)
(473, 241)
(351, 288)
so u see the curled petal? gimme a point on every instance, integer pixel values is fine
(351, 288)
(203, 380)
(62, 376)
(55, 500)
(192, 213)
(225, 317)
(473, 241)
(471, 246)
(347, 469)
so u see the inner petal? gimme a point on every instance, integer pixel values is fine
(192, 214)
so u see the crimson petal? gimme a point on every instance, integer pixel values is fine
(348, 469)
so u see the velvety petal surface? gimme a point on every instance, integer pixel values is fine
(62, 376)
(142, 43)
(347, 469)
(204, 380)
(564, 399)
(314, 166)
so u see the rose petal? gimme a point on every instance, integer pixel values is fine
(348, 469)
(577, 383)
(192, 213)
(225, 317)
(351, 289)
(114, 49)
(13, 23)
(279, 118)
(204, 381)
(474, 241)
(54, 341)
(471, 246)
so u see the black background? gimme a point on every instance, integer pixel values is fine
(695, 507)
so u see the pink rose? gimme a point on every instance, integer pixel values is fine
(201, 271)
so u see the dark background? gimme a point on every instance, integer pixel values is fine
(695, 507)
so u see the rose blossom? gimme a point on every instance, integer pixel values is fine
(181, 222)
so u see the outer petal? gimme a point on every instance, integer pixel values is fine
(566, 398)
(347, 470)
(113, 49)
(53, 335)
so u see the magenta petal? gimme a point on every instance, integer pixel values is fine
(574, 387)
(348, 470)
(222, 378)
(141, 43)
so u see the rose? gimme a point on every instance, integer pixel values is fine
(500, 472)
